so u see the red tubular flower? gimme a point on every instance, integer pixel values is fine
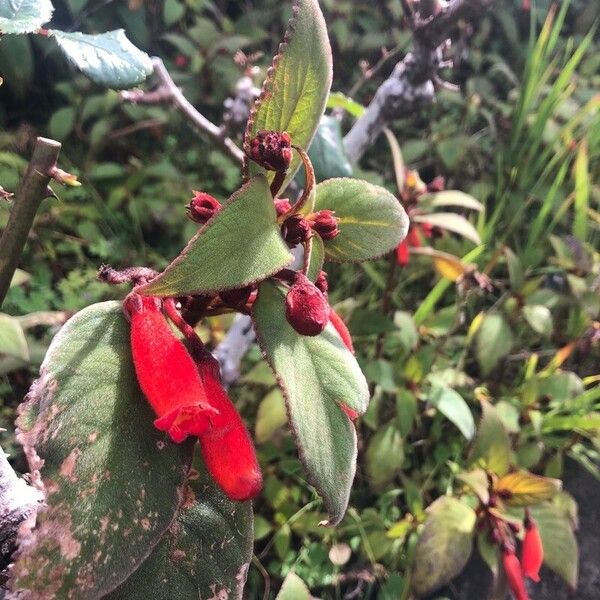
(226, 446)
(306, 308)
(342, 330)
(202, 207)
(532, 552)
(402, 253)
(166, 372)
(514, 575)
(272, 150)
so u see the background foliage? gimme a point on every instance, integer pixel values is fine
(521, 135)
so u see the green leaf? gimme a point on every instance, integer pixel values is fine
(113, 481)
(240, 245)
(477, 480)
(108, 59)
(371, 220)
(454, 407)
(385, 455)
(295, 92)
(454, 198)
(19, 278)
(315, 255)
(561, 553)
(293, 588)
(450, 222)
(539, 318)
(444, 546)
(316, 374)
(24, 16)
(270, 417)
(326, 151)
(62, 123)
(12, 338)
(582, 192)
(521, 488)
(339, 100)
(494, 341)
(492, 444)
(205, 553)
(515, 269)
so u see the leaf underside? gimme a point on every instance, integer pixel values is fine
(24, 16)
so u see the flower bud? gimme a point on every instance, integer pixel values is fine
(272, 150)
(532, 551)
(282, 206)
(514, 575)
(325, 224)
(296, 230)
(403, 253)
(306, 308)
(236, 298)
(202, 207)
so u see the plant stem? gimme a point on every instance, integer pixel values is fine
(33, 189)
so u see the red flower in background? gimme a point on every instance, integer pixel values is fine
(514, 575)
(532, 552)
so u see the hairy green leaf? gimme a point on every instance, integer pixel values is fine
(371, 220)
(317, 375)
(241, 244)
(295, 92)
(113, 481)
(205, 553)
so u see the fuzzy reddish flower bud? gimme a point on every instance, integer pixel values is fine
(532, 551)
(437, 184)
(296, 230)
(403, 253)
(226, 446)
(322, 283)
(325, 224)
(166, 372)
(272, 150)
(306, 308)
(282, 206)
(202, 207)
(342, 330)
(514, 575)
(413, 239)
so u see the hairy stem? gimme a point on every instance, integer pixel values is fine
(33, 189)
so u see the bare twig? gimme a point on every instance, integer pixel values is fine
(167, 91)
(33, 189)
(414, 79)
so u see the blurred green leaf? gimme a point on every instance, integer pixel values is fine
(12, 338)
(62, 122)
(326, 151)
(271, 416)
(385, 454)
(293, 588)
(444, 545)
(494, 341)
(521, 488)
(492, 444)
(539, 318)
(24, 16)
(453, 406)
(109, 59)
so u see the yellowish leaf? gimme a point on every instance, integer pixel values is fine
(522, 488)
